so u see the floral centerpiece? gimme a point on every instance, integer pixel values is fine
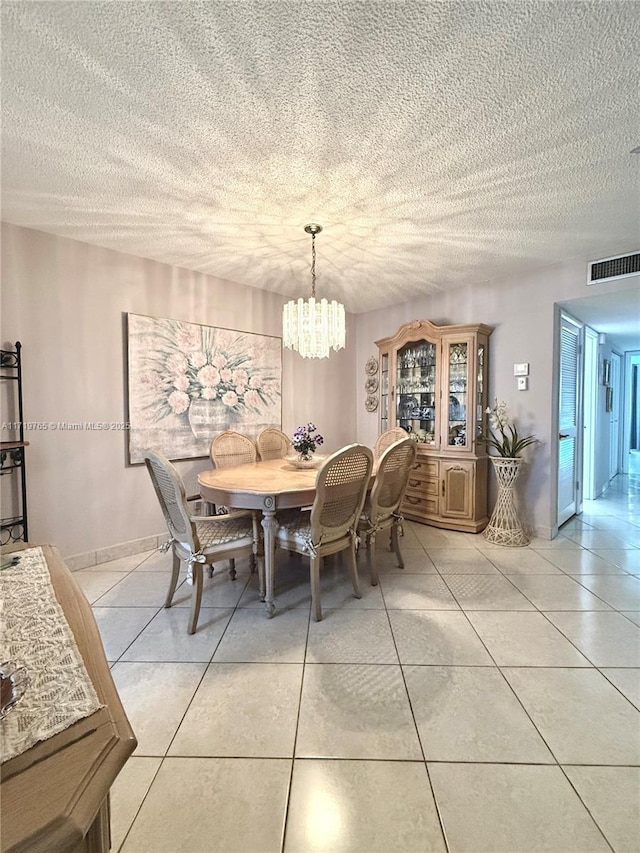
(305, 440)
(502, 434)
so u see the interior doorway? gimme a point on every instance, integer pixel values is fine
(590, 412)
(615, 410)
(569, 447)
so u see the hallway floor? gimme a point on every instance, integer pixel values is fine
(483, 699)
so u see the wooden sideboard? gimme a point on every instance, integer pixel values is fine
(55, 796)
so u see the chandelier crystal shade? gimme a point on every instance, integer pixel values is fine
(313, 326)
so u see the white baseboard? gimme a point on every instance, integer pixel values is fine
(114, 552)
(545, 532)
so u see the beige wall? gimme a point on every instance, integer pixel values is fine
(521, 312)
(65, 302)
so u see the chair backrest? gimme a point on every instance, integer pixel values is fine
(273, 443)
(391, 480)
(173, 499)
(386, 439)
(232, 448)
(341, 487)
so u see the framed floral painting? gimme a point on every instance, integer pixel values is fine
(188, 382)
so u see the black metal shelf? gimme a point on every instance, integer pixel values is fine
(12, 452)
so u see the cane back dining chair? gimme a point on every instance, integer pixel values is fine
(331, 524)
(197, 540)
(232, 448)
(382, 505)
(229, 449)
(273, 443)
(386, 439)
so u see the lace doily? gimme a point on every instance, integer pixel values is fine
(35, 634)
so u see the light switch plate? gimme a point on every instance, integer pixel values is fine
(521, 369)
(523, 383)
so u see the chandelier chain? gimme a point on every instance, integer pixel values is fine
(313, 265)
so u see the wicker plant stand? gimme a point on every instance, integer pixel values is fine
(504, 526)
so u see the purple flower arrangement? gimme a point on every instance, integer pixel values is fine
(305, 440)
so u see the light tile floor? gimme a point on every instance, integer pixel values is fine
(483, 699)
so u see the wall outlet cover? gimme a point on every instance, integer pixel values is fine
(523, 383)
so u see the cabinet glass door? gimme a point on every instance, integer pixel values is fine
(481, 391)
(384, 392)
(416, 409)
(457, 371)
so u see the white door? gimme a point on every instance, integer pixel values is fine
(614, 434)
(568, 444)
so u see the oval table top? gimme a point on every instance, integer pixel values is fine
(270, 484)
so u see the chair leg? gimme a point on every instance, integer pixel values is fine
(371, 559)
(196, 597)
(353, 571)
(232, 569)
(396, 544)
(175, 571)
(314, 570)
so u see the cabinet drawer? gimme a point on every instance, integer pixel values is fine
(422, 488)
(424, 469)
(415, 504)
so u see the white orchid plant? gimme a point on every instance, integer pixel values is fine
(502, 434)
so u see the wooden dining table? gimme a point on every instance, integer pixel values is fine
(267, 486)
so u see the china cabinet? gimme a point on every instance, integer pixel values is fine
(433, 384)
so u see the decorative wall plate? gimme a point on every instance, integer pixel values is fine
(371, 384)
(371, 366)
(371, 404)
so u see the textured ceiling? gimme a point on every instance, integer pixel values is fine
(437, 143)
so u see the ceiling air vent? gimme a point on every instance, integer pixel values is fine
(609, 269)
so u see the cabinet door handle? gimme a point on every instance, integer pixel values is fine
(414, 482)
(443, 488)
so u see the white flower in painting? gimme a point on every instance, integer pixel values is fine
(226, 374)
(188, 338)
(152, 381)
(208, 376)
(179, 402)
(209, 393)
(255, 381)
(219, 361)
(252, 398)
(240, 389)
(240, 377)
(198, 359)
(177, 364)
(230, 398)
(181, 382)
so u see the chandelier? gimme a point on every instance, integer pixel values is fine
(311, 326)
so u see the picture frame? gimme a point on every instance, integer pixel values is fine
(187, 382)
(606, 371)
(608, 400)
